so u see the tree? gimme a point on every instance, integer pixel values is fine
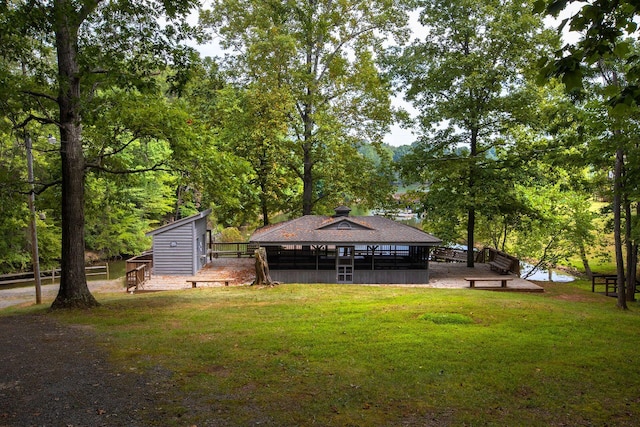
(254, 127)
(561, 223)
(13, 211)
(330, 73)
(604, 29)
(254, 116)
(98, 45)
(466, 76)
(20, 73)
(213, 166)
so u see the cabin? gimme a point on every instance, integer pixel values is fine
(180, 247)
(346, 249)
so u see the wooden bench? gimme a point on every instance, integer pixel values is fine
(503, 280)
(501, 264)
(194, 281)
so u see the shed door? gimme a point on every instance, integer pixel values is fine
(344, 264)
(202, 254)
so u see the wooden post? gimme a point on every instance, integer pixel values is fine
(35, 257)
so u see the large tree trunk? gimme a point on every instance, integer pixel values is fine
(471, 222)
(307, 182)
(263, 277)
(471, 214)
(632, 253)
(307, 162)
(74, 291)
(617, 211)
(263, 203)
(307, 144)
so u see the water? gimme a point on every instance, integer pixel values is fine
(117, 269)
(543, 275)
(538, 275)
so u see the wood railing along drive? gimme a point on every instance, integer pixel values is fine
(50, 275)
(138, 270)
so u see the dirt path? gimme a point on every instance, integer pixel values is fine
(52, 374)
(58, 375)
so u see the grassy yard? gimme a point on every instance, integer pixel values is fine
(381, 356)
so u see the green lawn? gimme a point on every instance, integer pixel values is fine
(332, 355)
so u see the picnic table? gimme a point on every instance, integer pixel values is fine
(606, 280)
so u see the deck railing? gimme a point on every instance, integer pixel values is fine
(139, 270)
(231, 249)
(137, 276)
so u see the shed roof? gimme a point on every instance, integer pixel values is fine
(179, 223)
(353, 230)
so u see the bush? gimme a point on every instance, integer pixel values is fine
(231, 234)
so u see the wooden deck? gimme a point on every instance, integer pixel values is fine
(235, 271)
(452, 275)
(442, 275)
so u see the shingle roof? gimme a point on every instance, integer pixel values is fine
(179, 223)
(356, 230)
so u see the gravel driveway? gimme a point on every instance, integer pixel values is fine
(58, 375)
(17, 296)
(52, 374)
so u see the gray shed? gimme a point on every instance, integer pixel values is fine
(180, 248)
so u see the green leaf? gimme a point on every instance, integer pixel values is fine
(572, 79)
(622, 49)
(555, 7)
(539, 6)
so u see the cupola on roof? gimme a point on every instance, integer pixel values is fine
(341, 211)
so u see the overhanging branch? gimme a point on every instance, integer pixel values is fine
(41, 95)
(31, 117)
(154, 168)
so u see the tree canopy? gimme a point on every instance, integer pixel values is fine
(605, 57)
(321, 57)
(467, 77)
(65, 58)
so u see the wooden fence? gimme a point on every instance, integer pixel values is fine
(231, 249)
(137, 276)
(50, 275)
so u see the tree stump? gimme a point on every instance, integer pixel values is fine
(263, 277)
